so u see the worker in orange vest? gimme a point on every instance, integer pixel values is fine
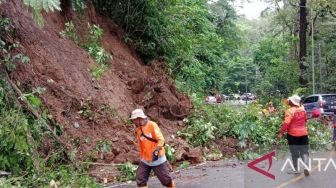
(152, 153)
(297, 134)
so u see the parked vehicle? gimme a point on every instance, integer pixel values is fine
(234, 97)
(249, 96)
(325, 102)
(210, 100)
(225, 97)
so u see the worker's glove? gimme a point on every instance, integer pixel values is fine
(156, 153)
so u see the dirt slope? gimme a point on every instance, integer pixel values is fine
(61, 66)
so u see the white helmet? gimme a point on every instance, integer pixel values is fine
(138, 113)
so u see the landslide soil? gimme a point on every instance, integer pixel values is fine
(62, 68)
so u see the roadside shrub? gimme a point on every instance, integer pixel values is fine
(15, 154)
(169, 152)
(249, 124)
(128, 171)
(10, 51)
(70, 32)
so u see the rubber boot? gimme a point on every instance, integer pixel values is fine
(173, 185)
(305, 158)
(295, 165)
(295, 172)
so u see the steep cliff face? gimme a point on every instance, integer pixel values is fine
(62, 68)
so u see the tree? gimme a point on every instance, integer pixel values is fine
(303, 44)
(195, 39)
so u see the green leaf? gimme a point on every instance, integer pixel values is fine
(47, 5)
(34, 100)
(25, 59)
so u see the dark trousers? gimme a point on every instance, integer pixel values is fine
(298, 146)
(161, 171)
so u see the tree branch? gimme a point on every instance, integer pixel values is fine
(34, 112)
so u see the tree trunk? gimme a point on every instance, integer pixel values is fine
(303, 44)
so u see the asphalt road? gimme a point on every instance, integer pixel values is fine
(236, 174)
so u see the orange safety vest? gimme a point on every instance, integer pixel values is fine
(147, 147)
(295, 121)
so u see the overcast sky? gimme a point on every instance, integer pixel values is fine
(251, 9)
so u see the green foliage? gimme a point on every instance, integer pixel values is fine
(10, 51)
(103, 146)
(128, 171)
(247, 155)
(199, 132)
(256, 127)
(39, 5)
(277, 73)
(320, 135)
(66, 176)
(19, 133)
(86, 109)
(208, 122)
(192, 37)
(97, 71)
(15, 126)
(245, 124)
(78, 5)
(183, 165)
(249, 124)
(268, 49)
(325, 43)
(5, 26)
(70, 32)
(6, 183)
(33, 98)
(47, 5)
(86, 105)
(94, 48)
(95, 33)
(169, 152)
(15, 154)
(98, 54)
(213, 154)
(265, 64)
(62, 176)
(284, 20)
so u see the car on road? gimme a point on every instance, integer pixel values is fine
(225, 97)
(249, 96)
(210, 100)
(234, 97)
(325, 102)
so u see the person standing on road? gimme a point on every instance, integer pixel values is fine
(297, 134)
(152, 153)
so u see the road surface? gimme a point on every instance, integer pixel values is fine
(236, 174)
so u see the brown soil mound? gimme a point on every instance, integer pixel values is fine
(61, 66)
